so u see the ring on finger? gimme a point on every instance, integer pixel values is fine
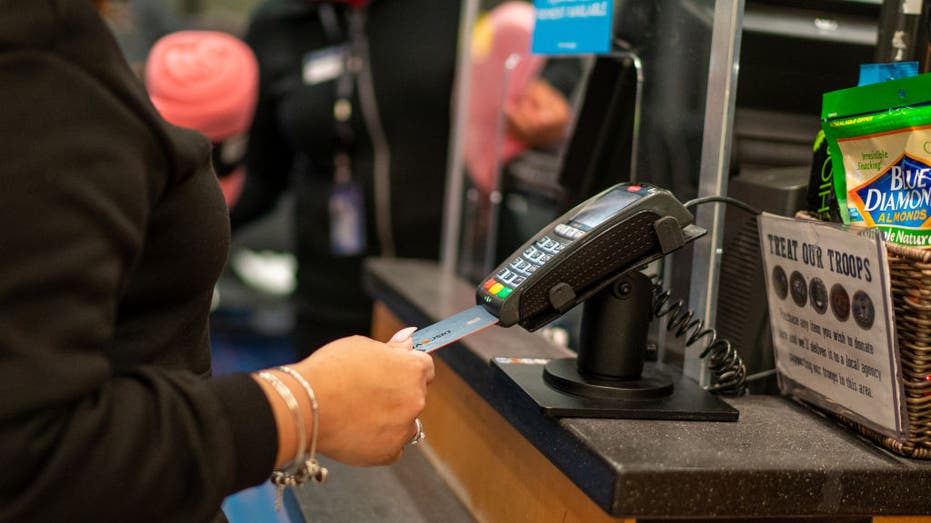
(419, 436)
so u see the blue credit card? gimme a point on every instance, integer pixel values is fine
(454, 328)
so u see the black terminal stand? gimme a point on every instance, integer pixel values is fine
(610, 377)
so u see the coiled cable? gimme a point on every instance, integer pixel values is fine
(728, 372)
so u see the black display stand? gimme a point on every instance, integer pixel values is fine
(610, 377)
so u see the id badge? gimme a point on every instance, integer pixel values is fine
(324, 65)
(347, 220)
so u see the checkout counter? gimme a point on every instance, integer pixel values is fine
(507, 461)
(491, 453)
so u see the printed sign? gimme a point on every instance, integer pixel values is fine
(830, 309)
(572, 26)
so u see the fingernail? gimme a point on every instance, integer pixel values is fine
(403, 334)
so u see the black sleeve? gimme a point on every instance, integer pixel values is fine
(269, 158)
(79, 439)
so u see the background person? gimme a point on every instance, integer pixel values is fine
(371, 184)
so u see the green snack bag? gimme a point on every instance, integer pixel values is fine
(879, 140)
(822, 200)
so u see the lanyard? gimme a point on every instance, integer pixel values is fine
(344, 135)
(356, 73)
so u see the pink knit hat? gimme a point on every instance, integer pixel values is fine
(204, 80)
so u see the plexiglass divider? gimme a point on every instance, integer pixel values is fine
(666, 120)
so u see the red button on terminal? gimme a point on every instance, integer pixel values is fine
(489, 283)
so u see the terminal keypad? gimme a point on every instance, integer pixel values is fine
(507, 279)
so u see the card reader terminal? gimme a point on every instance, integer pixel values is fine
(621, 228)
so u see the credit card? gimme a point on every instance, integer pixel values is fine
(456, 327)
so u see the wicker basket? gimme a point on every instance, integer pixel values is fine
(910, 275)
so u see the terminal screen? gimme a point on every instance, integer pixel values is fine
(609, 204)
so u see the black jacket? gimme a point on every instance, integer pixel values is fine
(112, 233)
(413, 55)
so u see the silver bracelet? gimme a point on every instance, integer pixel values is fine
(312, 468)
(285, 477)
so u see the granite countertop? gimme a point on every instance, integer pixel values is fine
(778, 459)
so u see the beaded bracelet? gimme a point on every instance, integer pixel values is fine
(286, 477)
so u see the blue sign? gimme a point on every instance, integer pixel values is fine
(572, 26)
(875, 73)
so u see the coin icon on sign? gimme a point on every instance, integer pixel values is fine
(818, 294)
(840, 302)
(799, 288)
(863, 311)
(780, 282)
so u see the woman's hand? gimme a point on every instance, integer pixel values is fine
(369, 395)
